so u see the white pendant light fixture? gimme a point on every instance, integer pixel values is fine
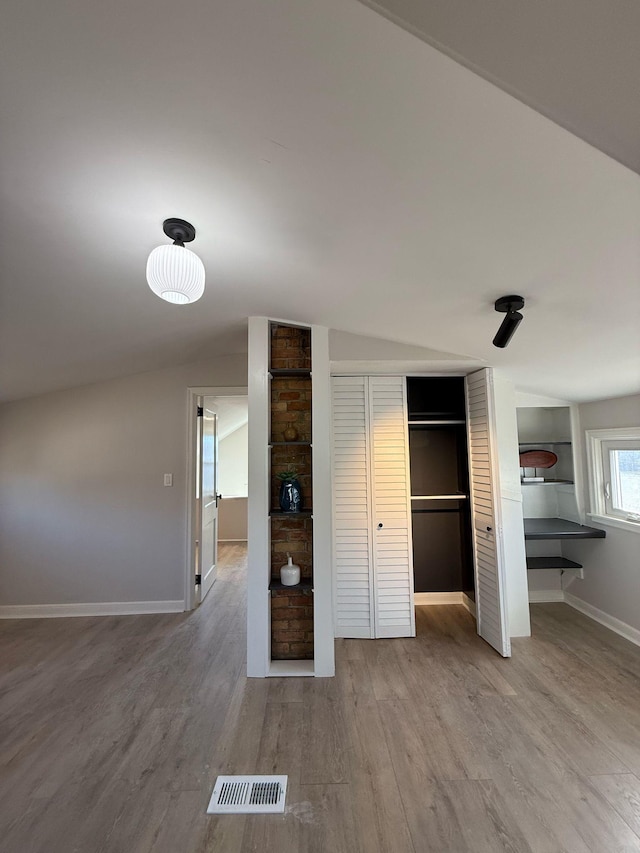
(174, 273)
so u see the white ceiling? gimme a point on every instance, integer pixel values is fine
(233, 413)
(576, 63)
(338, 170)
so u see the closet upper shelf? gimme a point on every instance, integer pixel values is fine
(559, 528)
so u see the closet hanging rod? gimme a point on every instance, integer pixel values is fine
(436, 423)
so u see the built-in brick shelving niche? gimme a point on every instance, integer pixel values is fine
(291, 624)
(290, 347)
(290, 405)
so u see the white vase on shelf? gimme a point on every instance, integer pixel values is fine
(290, 573)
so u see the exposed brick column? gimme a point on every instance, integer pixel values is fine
(291, 609)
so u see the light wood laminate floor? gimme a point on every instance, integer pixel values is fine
(114, 729)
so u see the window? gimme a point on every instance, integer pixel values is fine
(614, 476)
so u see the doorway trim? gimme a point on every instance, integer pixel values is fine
(192, 395)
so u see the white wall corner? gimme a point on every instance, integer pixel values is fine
(578, 452)
(511, 508)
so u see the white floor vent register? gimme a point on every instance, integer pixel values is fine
(248, 795)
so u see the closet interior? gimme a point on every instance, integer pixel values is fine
(440, 499)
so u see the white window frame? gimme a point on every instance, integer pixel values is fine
(599, 443)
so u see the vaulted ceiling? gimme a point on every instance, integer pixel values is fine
(576, 63)
(338, 169)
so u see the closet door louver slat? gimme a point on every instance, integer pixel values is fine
(490, 587)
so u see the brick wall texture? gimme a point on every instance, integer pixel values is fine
(291, 404)
(291, 609)
(292, 534)
(285, 459)
(290, 348)
(291, 624)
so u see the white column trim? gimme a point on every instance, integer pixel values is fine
(259, 562)
(323, 616)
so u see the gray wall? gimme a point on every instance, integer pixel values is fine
(84, 515)
(233, 464)
(612, 565)
(232, 519)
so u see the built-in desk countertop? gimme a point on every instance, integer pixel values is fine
(559, 528)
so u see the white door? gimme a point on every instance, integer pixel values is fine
(372, 521)
(491, 610)
(354, 602)
(392, 546)
(208, 510)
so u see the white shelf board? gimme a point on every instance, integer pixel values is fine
(458, 497)
(283, 668)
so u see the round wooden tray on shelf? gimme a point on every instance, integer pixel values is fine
(538, 459)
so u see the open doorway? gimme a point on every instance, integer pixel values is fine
(217, 482)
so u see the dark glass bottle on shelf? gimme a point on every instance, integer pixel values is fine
(290, 495)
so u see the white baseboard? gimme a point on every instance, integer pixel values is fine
(470, 604)
(100, 608)
(438, 598)
(616, 625)
(627, 631)
(540, 596)
(222, 541)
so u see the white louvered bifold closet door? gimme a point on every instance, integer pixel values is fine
(485, 506)
(392, 544)
(372, 518)
(352, 512)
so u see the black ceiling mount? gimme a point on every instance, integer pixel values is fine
(179, 231)
(509, 305)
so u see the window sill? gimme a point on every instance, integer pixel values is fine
(610, 521)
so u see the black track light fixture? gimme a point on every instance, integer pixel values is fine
(509, 305)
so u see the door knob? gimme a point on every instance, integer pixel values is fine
(489, 529)
(380, 525)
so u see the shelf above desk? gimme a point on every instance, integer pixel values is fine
(547, 483)
(559, 528)
(561, 563)
(543, 443)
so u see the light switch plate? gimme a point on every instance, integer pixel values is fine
(168, 479)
